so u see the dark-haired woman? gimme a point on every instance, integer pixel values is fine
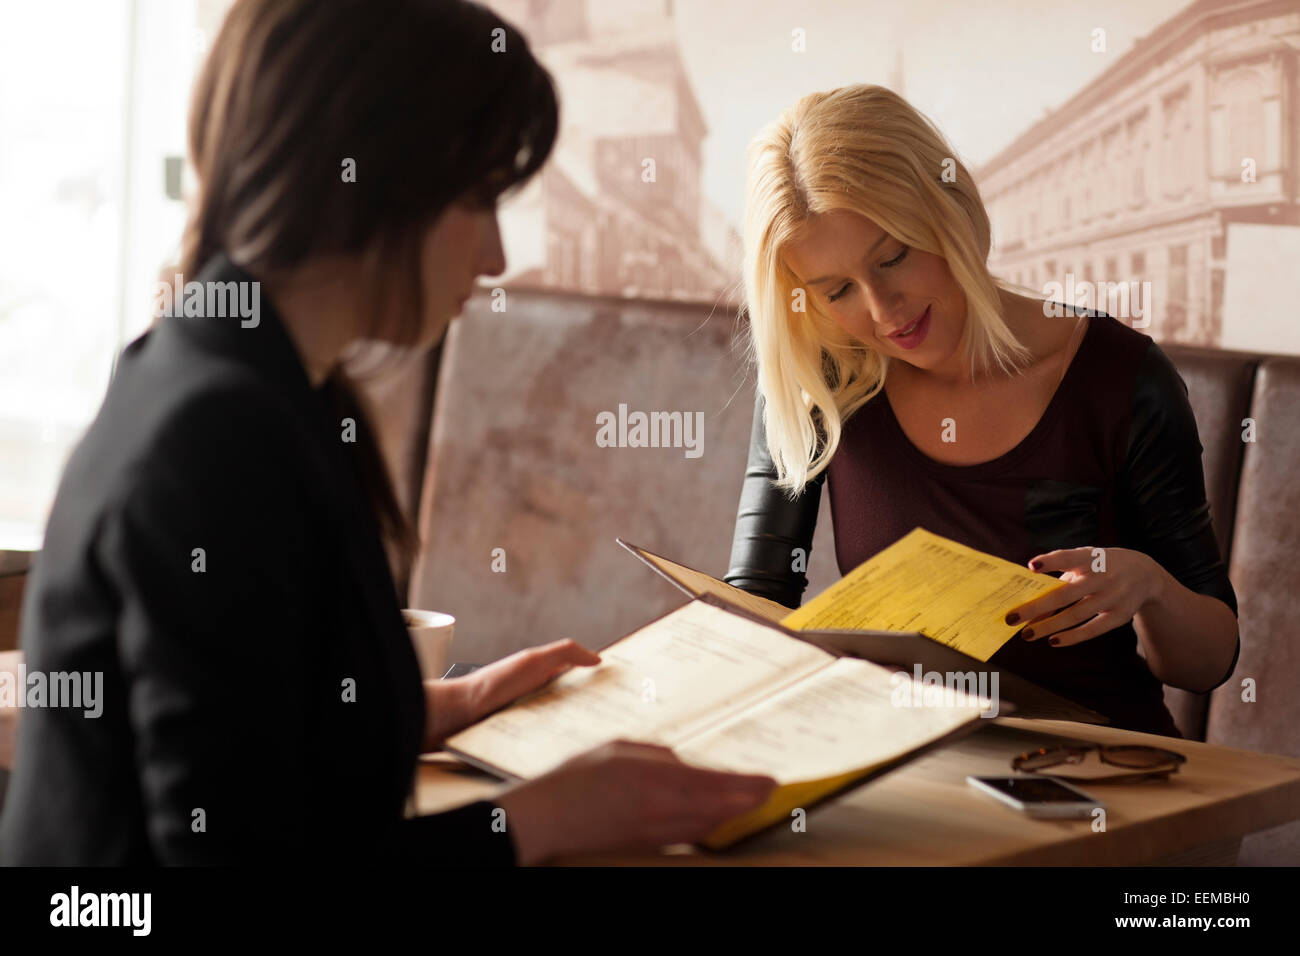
(215, 550)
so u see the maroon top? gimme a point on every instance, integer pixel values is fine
(1109, 464)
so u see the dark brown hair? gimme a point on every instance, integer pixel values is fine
(436, 102)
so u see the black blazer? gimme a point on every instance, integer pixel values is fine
(227, 734)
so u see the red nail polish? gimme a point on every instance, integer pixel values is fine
(1027, 633)
(1035, 565)
(1013, 617)
(1055, 642)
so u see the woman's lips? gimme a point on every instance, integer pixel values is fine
(917, 336)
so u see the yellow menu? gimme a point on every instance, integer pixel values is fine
(931, 584)
(923, 582)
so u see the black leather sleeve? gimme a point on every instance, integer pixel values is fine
(769, 526)
(1162, 504)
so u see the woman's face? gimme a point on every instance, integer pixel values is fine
(463, 244)
(873, 285)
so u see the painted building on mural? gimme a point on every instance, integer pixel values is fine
(1176, 167)
(618, 210)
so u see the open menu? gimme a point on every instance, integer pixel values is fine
(926, 603)
(731, 690)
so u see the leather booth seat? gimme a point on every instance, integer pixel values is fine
(516, 476)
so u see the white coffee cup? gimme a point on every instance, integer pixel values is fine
(431, 634)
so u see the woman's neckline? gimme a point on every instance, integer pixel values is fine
(1006, 459)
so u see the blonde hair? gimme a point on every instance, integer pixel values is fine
(866, 150)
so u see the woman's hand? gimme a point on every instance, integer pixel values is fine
(623, 796)
(1105, 588)
(453, 705)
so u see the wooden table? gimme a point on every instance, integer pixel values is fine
(926, 814)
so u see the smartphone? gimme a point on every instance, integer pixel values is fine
(1038, 796)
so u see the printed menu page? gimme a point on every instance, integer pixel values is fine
(931, 584)
(661, 684)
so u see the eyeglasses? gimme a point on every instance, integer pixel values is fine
(1139, 762)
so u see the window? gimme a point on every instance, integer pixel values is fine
(1176, 142)
(1086, 177)
(1216, 302)
(89, 225)
(1244, 97)
(1138, 149)
(1111, 156)
(1176, 290)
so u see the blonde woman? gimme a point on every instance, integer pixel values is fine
(895, 369)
